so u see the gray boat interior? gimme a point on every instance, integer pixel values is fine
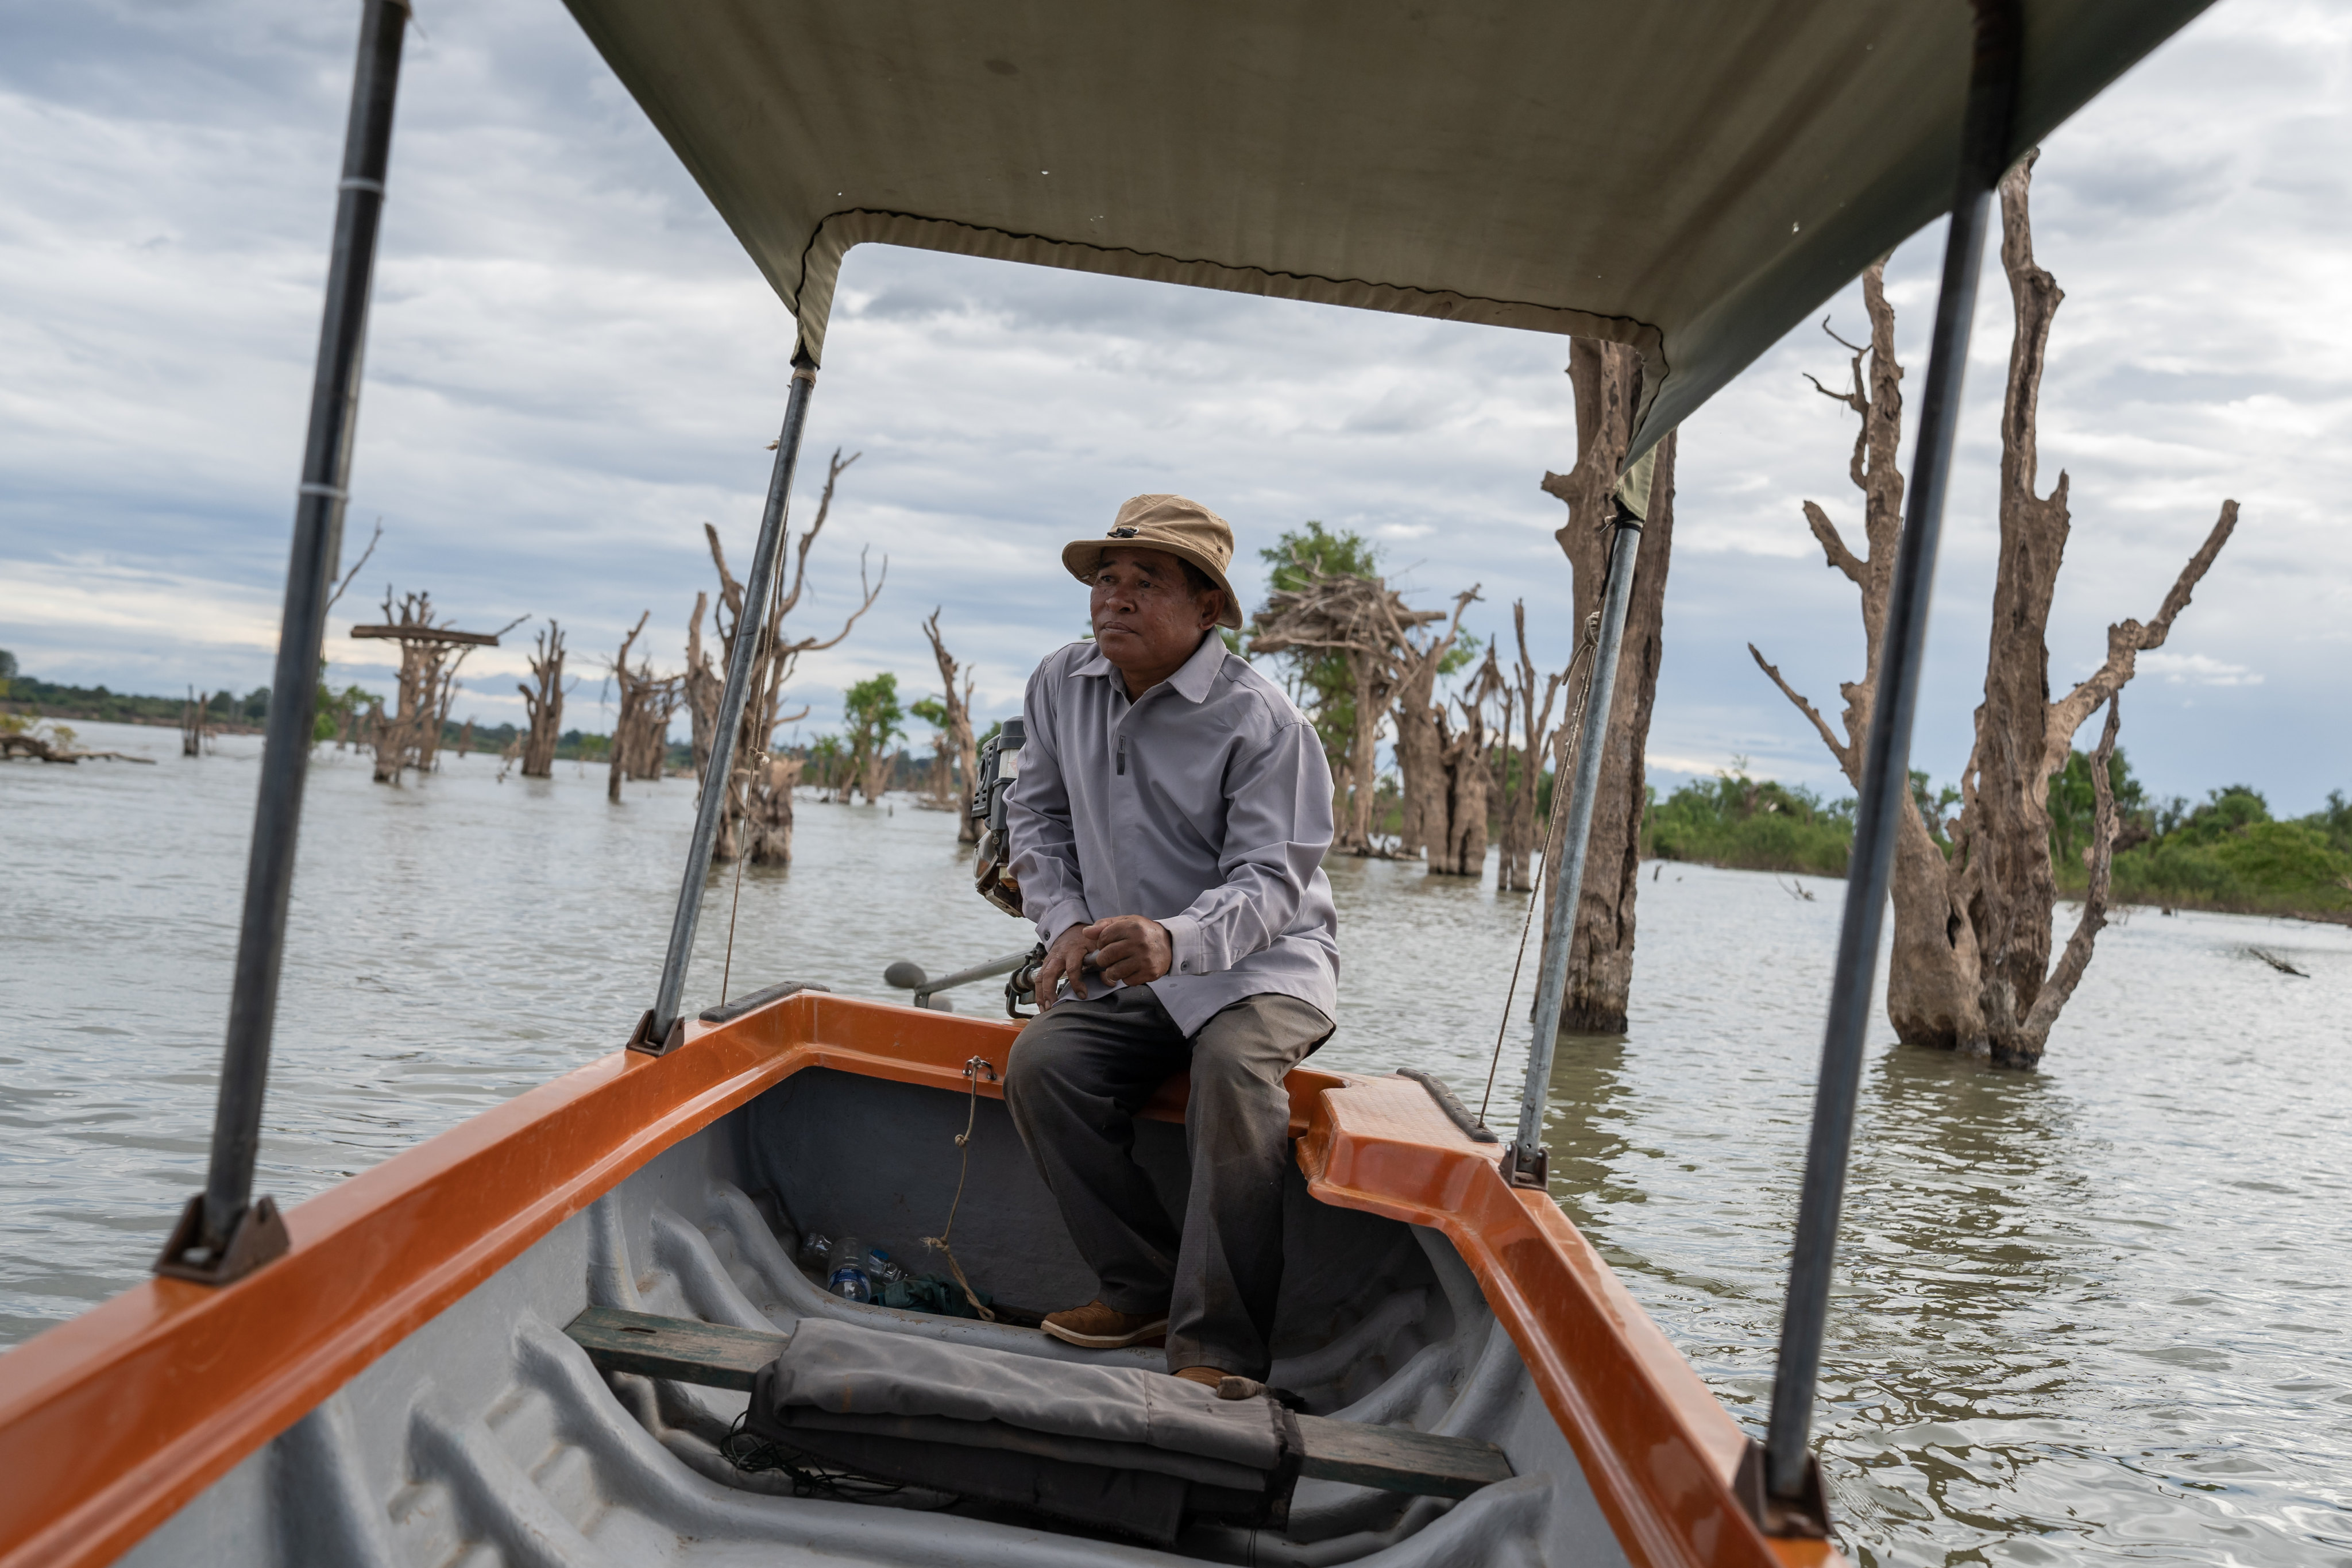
(487, 1438)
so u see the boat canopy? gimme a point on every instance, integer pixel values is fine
(1691, 177)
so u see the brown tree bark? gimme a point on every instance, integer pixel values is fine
(958, 735)
(1607, 381)
(1970, 968)
(544, 704)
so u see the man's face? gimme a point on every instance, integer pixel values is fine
(1147, 616)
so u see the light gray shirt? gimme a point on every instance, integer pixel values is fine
(1205, 806)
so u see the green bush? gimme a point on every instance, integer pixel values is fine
(1753, 825)
(2231, 854)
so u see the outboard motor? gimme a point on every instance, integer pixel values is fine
(999, 764)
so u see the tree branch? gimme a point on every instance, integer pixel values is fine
(2100, 856)
(2127, 640)
(1833, 545)
(1844, 755)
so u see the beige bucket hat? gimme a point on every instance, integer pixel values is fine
(1184, 529)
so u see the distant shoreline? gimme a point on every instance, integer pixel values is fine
(70, 711)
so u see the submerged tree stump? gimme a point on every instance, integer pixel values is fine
(1971, 969)
(1607, 379)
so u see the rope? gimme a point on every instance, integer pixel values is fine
(938, 1243)
(1559, 792)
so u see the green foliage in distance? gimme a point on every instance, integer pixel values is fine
(874, 717)
(1320, 682)
(1756, 825)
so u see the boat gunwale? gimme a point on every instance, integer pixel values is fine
(115, 1419)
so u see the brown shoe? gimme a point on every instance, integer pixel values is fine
(1212, 1378)
(1096, 1327)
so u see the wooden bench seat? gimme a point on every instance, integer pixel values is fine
(1389, 1458)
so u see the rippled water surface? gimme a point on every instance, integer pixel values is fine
(2103, 1306)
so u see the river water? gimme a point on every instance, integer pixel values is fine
(2103, 1306)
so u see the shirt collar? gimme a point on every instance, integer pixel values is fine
(1193, 679)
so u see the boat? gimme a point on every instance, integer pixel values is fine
(536, 1338)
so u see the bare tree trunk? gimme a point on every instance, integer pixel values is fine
(957, 734)
(1539, 742)
(631, 697)
(1972, 931)
(1425, 822)
(1607, 379)
(544, 704)
(1465, 756)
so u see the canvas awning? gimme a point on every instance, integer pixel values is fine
(1689, 176)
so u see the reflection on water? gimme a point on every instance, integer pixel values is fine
(2100, 1306)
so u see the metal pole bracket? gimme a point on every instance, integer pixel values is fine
(1805, 1516)
(1519, 1172)
(257, 1236)
(641, 1038)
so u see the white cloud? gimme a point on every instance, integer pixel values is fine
(2196, 669)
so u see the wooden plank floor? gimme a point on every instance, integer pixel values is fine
(1389, 1458)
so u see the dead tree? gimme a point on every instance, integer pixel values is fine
(1970, 970)
(757, 820)
(466, 739)
(1425, 822)
(543, 703)
(430, 654)
(1522, 789)
(955, 735)
(196, 725)
(1607, 381)
(1465, 757)
(641, 723)
(1370, 627)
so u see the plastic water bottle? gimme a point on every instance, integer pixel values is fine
(850, 1279)
(890, 1273)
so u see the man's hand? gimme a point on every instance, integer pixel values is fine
(1130, 949)
(1063, 960)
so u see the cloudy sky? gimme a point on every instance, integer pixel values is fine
(572, 367)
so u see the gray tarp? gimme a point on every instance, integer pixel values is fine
(1113, 1446)
(1689, 176)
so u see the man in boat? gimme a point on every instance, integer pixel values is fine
(1168, 831)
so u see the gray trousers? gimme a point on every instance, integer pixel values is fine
(1079, 1075)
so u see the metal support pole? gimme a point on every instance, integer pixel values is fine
(1526, 1164)
(1789, 1474)
(657, 1031)
(223, 1234)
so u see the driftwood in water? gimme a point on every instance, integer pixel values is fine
(757, 822)
(57, 746)
(1607, 380)
(1370, 627)
(955, 770)
(1971, 968)
(542, 702)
